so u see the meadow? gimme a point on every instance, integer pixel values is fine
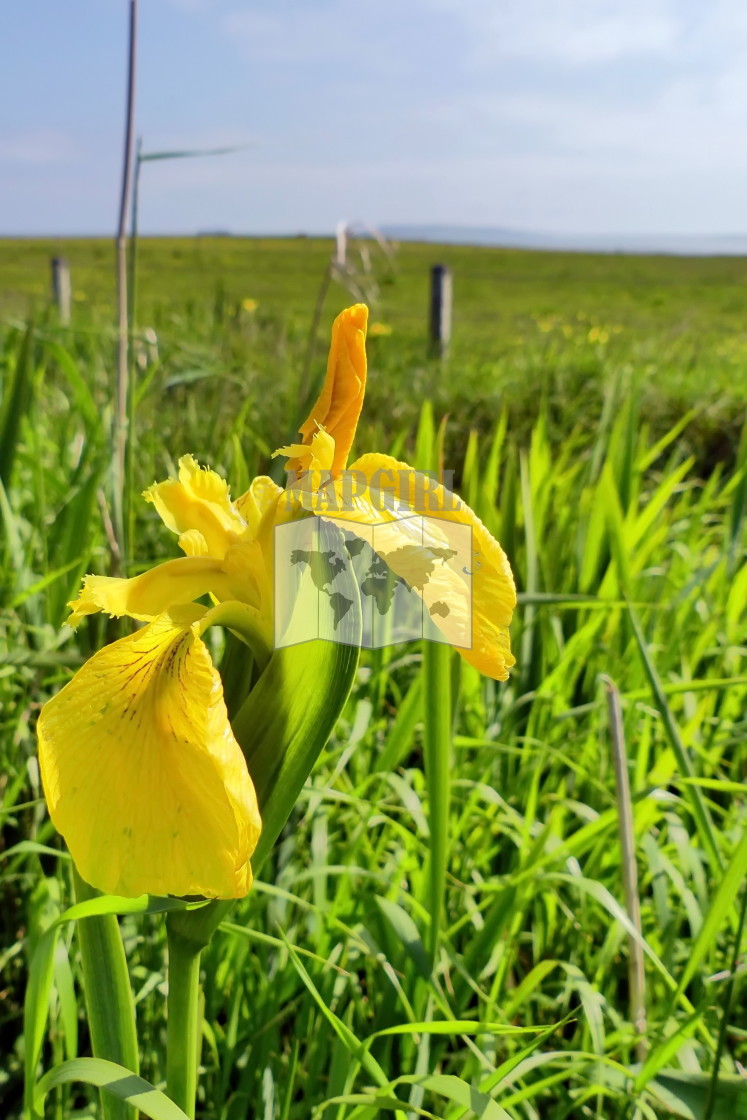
(592, 410)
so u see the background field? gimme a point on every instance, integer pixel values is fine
(592, 411)
(526, 324)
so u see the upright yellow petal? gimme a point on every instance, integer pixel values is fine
(261, 496)
(379, 490)
(341, 399)
(318, 455)
(198, 500)
(141, 771)
(192, 543)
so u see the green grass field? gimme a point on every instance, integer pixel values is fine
(527, 326)
(592, 410)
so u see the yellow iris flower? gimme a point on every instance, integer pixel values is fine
(141, 770)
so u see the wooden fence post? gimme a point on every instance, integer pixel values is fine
(341, 245)
(61, 288)
(440, 319)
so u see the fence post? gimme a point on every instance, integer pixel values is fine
(341, 245)
(61, 289)
(441, 300)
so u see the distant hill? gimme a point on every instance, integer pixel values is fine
(706, 245)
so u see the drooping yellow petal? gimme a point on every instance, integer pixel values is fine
(378, 490)
(341, 399)
(141, 771)
(198, 501)
(153, 592)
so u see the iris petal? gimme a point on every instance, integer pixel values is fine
(393, 491)
(261, 496)
(153, 592)
(341, 399)
(198, 500)
(142, 774)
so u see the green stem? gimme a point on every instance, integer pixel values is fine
(109, 1004)
(183, 1033)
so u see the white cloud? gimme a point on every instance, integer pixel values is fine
(688, 123)
(523, 128)
(568, 32)
(571, 32)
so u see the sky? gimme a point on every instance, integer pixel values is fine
(561, 116)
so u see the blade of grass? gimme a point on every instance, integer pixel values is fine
(114, 1080)
(636, 973)
(700, 810)
(437, 758)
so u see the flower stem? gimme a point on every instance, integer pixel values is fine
(183, 1033)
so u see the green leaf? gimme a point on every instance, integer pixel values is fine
(406, 931)
(700, 811)
(112, 1078)
(372, 1104)
(289, 715)
(399, 740)
(458, 1091)
(108, 994)
(12, 527)
(36, 1004)
(189, 153)
(33, 847)
(42, 583)
(456, 1027)
(357, 1049)
(63, 981)
(685, 1094)
(15, 403)
(718, 913)
(82, 398)
(437, 757)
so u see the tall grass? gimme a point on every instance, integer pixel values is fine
(442, 929)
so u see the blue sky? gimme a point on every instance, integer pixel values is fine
(568, 116)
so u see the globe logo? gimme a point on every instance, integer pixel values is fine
(373, 585)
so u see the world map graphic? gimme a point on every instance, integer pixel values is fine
(377, 577)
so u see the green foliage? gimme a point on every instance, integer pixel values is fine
(377, 968)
